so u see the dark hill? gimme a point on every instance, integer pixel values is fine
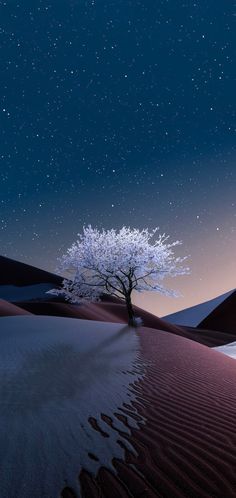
(20, 274)
(223, 317)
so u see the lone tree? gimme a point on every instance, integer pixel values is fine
(118, 262)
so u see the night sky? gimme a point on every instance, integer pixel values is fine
(120, 112)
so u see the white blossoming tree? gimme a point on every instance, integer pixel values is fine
(116, 263)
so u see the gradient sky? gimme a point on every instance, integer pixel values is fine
(120, 112)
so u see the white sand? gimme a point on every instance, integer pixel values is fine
(228, 349)
(55, 373)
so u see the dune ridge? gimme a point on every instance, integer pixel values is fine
(112, 310)
(187, 447)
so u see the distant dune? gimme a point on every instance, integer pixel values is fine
(211, 338)
(194, 316)
(19, 274)
(223, 317)
(9, 309)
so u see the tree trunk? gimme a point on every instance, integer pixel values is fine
(131, 316)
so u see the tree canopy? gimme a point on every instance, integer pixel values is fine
(116, 262)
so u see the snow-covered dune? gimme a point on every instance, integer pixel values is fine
(105, 311)
(228, 349)
(57, 375)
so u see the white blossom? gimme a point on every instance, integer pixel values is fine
(116, 262)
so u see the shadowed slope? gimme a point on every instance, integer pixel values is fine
(222, 318)
(191, 317)
(210, 338)
(9, 309)
(229, 349)
(20, 274)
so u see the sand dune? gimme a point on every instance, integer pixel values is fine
(210, 338)
(96, 409)
(26, 287)
(223, 317)
(124, 413)
(20, 274)
(115, 312)
(187, 446)
(56, 376)
(193, 316)
(102, 311)
(9, 309)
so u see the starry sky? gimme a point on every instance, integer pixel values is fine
(120, 112)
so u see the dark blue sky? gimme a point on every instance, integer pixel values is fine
(117, 112)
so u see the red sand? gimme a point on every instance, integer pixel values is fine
(187, 447)
(222, 318)
(108, 311)
(102, 311)
(210, 338)
(9, 309)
